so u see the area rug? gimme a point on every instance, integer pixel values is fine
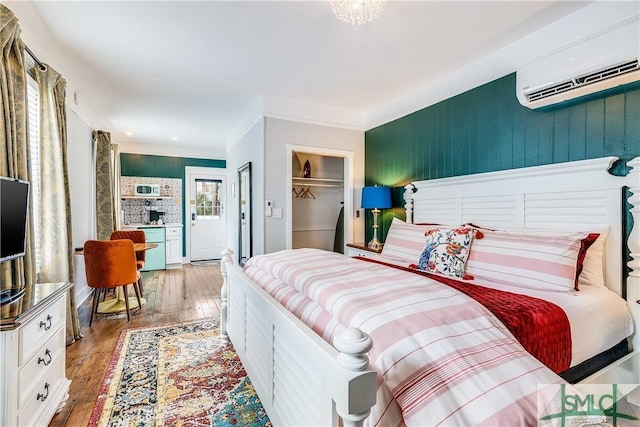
(176, 375)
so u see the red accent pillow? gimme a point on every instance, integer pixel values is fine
(585, 244)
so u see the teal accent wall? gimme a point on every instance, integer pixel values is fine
(486, 129)
(165, 167)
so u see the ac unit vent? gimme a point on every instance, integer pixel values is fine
(591, 78)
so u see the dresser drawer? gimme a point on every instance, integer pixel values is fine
(43, 399)
(41, 329)
(44, 360)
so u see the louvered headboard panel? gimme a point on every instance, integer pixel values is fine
(580, 195)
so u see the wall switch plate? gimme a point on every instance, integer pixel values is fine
(277, 212)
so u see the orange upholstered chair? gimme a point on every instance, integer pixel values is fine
(136, 236)
(110, 264)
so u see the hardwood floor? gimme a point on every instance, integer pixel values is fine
(172, 296)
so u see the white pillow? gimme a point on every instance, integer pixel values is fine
(535, 260)
(405, 241)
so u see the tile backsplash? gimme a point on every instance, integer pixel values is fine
(137, 210)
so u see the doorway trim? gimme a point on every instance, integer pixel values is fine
(196, 170)
(348, 157)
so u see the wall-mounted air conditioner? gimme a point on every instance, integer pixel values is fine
(600, 62)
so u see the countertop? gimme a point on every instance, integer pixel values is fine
(140, 225)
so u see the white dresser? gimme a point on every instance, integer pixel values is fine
(32, 347)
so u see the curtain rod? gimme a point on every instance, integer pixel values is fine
(35, 58)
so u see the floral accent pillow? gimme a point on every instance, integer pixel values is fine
(446, 251)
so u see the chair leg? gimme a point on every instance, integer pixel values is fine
(140, 284)
(126, 302)
(94, 308)
(138, 295)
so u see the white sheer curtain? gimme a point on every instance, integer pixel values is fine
(54, 218)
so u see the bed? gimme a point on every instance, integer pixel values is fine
(303, 380)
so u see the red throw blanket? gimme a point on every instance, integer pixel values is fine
(540, 326)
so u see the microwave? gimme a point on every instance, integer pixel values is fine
(152, 190)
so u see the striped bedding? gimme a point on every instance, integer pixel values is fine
(442, 358)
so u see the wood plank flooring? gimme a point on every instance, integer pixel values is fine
(190, 293)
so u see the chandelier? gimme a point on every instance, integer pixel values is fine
(356, 12)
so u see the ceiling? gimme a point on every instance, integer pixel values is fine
(193, 73)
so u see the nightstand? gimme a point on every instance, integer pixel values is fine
(360, 249)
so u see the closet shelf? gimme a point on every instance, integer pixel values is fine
(318, 182)
(146, 197)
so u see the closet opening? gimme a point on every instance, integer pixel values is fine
(320, 198)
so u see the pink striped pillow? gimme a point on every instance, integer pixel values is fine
(549, 262)
(405, 241)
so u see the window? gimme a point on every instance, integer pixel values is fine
(208, 199)
(33, 119)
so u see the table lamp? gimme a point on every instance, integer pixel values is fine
(375, 198)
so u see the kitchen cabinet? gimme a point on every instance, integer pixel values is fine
(155, 259)
(174, 247)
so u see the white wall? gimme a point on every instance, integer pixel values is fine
(279, 133)
(250, 148)
(82, 189)
(79, 127)
(173, 150)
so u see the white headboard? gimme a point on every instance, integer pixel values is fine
(579, 195)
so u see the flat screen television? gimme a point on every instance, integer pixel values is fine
(14, 203)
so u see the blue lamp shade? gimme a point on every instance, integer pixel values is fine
(376, 197)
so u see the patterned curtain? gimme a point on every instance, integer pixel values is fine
(56, 247)
(14, 150)
(107, 207)
(115, 173)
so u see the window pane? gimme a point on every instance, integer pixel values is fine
(208, 199)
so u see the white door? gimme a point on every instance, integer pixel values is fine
(207, 217)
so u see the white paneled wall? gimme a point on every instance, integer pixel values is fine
(80, 155)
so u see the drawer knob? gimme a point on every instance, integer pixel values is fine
(47, 353)
(43, 397)
(46, 324)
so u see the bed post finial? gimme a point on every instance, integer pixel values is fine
(633, 243)
(354, 384)
(224, 293)
(408, 201)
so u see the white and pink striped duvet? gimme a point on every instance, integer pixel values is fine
(442, 358)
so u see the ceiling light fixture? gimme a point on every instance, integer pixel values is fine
(356, 12)
(128, 133)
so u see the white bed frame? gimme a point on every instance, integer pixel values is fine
(302, 380)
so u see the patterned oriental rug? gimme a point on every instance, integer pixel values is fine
(176, 375)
